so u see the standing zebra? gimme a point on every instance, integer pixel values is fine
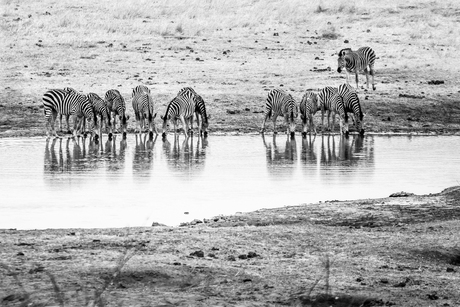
(351, 104)
(355, 61)
(67, 103)
(330, 101)
(281, 103)
(143, 108)
(200, 112)
(181, 107)
(116, 106)
(308, 107)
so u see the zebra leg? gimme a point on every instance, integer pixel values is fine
(184, 125)
(67, 122)
(312, 124)
(356, 79)
(263, 124)
(366, 72)
(371, 71)
(60, 122)
(274, 124)
(200, 130)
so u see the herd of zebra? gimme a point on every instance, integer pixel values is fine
(187, 103)
(100, 112)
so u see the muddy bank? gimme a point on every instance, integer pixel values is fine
(398, 251)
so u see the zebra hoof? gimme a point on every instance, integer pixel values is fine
(110, 136)
(292, 135)
(304, 134)
(96, 138)
(150, 135)
(205, 134)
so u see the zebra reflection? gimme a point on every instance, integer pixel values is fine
(187, 157)
(345, 151)
(308, 153)
(69, 156)
(279, 161)
(143, 154)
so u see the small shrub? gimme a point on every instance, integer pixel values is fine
(320, 9)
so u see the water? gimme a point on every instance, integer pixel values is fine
(135, 183)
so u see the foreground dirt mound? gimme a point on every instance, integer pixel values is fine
(397, 210)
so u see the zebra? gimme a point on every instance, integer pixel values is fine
(181, 107)
(68, 90)
(308, 107)
(101, 110)
(355, 61)
(330, 101)
(200, 112)
(281, 103)
(351, 104)
(116, 106)
(143, 108)
(67, 103)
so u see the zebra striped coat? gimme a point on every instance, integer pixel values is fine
(200, 112)
(100, 109)
(69, 90)
(351, 105)
(330, 101)
(67, 103)
(181, 107)
(355, 61)
(116, 106)
(143, 107)
(280, 103)
(308, 107)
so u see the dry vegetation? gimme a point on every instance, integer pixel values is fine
(232, 53)
(364, 253)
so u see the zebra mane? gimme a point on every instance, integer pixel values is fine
(344, 51)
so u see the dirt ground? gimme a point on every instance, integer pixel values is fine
(417, 78)
(396, 251)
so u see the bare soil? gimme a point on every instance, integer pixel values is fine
(398, 251)
(395, 251)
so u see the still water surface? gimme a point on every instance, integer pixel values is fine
(63, 184)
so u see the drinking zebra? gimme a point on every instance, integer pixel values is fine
(281, 103)
(200, 112)
(355, 61)
(308, 107)
(116, 106)
(351, 105)
(68, 90)
(181, 107)
(67, 103)
(144, 109)
(330, 101)
(101, 110)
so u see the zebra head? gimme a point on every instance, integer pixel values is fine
(293, 110)
(166, 119)
(341, 60)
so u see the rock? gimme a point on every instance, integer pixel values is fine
(199, 254)
(401, 194)
(435, 82)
